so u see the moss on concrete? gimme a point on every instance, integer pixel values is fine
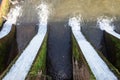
(39, 64)
(77, 54)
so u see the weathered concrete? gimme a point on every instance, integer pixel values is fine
(23, 64)
(96, 64)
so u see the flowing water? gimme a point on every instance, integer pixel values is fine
(89, 9)
(61, 11)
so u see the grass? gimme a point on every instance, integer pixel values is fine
(40, 62)
(4, 9)
(77, 54)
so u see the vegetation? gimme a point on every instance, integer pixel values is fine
(77, 54)
(39, 65)
(4, 8)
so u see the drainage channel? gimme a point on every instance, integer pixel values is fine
(59, 53)
(97, 65)
(112, 40)
(11, 19)
(8, 49)
(20, 69)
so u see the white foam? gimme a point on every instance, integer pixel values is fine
(106, 24)
(22, 66)
(11, 19)
(96, 64)
(75, 22)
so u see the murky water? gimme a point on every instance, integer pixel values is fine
(27, 23)
(63, 9)
(89, 9)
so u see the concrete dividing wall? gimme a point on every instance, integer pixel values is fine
(113, 48)
(7, 49)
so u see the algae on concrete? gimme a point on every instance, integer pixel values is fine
(38, 69)
(77, 54)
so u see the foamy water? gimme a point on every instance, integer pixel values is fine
(106, 24)
(20, 69)
(11, 19)
(96, 64)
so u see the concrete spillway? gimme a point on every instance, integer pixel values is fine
(112, 39)
(105, 24)
(11, 19)
(22, 66)
(97, 65)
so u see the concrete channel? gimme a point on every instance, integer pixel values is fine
(71, 53)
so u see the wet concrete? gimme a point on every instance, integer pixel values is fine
(103, 42)
(26, 24)
(8, 49)
(113, 49)
(80, 71)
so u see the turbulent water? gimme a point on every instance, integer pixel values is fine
(96, 64)
(89, 9)
(61, 11)
(22, 66)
